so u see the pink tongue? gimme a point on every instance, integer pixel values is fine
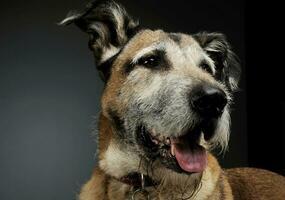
(189, 159)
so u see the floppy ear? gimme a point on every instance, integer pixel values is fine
(226, 62)
(109, 28)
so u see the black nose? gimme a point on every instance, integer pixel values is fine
(208, 101)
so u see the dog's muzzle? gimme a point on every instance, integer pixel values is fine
(183, 151)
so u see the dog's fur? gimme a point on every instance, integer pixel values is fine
(156, 95)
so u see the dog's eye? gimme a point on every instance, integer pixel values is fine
(150, 61)
(205, 66)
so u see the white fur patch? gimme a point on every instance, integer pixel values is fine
(118, 163)
(69, 19)
(108, 53)
(147, 50)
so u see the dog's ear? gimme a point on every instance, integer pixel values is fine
(109, 28)
(226, 62)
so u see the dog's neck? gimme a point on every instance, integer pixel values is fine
(175, 186)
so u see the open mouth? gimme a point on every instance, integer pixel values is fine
(182, 154)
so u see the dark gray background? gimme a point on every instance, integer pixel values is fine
(50, 90)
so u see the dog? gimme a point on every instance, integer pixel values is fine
(165, 107)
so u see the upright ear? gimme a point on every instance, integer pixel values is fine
(109, 28)
(226, 62)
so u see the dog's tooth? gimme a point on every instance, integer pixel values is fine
(168, 141)
(172, 150)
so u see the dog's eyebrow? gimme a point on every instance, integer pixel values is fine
(147, 50)
(209, 62)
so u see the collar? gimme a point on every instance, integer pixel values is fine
(137, 180)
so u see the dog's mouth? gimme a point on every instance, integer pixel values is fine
(183, 154)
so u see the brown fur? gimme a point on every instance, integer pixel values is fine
(250, 183)
(142, 40)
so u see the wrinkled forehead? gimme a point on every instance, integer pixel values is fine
(177, 47)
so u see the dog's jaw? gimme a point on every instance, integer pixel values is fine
(118, 160)
(118, 164)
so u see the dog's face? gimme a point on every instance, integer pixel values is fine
(166, 96)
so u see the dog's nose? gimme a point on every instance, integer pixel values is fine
(208, 101)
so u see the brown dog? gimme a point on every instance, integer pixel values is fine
(165, 106)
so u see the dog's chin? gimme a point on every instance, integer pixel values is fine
(182, 154)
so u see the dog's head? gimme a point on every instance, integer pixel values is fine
(167, 95)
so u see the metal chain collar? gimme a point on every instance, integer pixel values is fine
(141, 190)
